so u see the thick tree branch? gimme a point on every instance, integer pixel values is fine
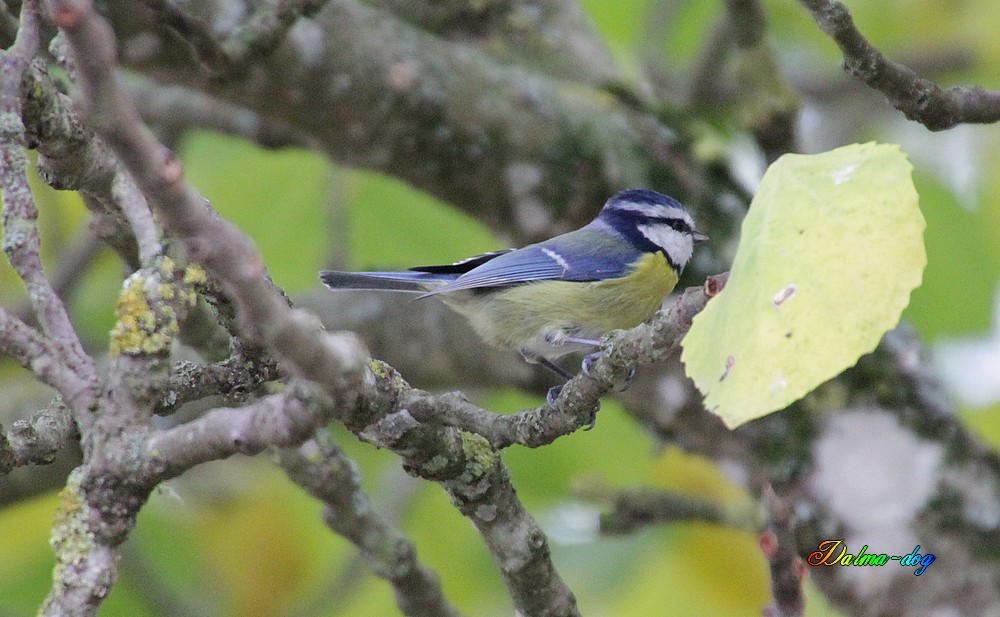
(919, 99)
(491, 137)
(71, 157)
(554, 37)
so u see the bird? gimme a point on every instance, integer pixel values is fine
(563, 294)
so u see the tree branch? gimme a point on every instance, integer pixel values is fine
(177, 108)
(225, 252)
(38, 440)
(919, 99)
(777, 542)
(37, 354)
(279, 420)
(22, 246)
(234, 379)
(640, 507)
(477, 482)
(252, 40)
(324, 472)
(401, 100)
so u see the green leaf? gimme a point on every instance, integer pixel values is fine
(830, 251)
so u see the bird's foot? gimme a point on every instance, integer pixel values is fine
(551, 396)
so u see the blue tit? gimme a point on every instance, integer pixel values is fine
(563, 294)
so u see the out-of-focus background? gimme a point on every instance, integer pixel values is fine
(218, 541)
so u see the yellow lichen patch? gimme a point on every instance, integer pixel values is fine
(479, 455)
(165, 291)
(149, 308)
(167, 266)
(383, 371)
(378, 368)
(136, 320)
(194, 275)
(71, 538)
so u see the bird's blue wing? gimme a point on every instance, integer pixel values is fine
(582, 255)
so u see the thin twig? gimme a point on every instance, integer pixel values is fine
(919, 99)
(235, 379)
(38, 440)
(20, 230)
(36, 353)
(178, 108)
(324, 472)
(262, 32)
(641, 507)
(278, 420)
(787, 568)
(133, 205)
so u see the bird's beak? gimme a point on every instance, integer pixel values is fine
(698, 236)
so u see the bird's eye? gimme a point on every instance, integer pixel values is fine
(676, 224)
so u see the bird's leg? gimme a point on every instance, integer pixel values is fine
(561, 337)
(553, 393)
(555, 368)
(582, 341)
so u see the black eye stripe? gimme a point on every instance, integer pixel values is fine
(676, 224)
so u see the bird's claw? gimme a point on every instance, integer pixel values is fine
(621, 386)
(552, 395)
(626, 383)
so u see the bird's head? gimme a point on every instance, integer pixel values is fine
(652, 222)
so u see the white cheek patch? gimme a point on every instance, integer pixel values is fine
(676, 244)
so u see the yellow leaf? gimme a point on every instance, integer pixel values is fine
(830, 250)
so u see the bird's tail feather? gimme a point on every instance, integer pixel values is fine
(418, 282)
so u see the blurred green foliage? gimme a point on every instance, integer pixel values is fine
(235, 538)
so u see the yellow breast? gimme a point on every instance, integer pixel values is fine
(520, 317)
